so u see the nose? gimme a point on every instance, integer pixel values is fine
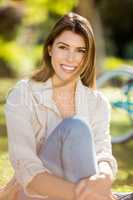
(70, 57)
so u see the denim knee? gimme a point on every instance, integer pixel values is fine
(76, 127)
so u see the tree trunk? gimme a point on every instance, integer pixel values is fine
(87, 8)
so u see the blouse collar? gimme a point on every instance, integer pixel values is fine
(43, 94)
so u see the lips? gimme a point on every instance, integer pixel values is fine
(68, 68)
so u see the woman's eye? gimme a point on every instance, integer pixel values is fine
(62, 47)
(81, 51)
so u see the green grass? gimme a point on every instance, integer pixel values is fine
(120, 122)
(6, 170)
(123, 154)
(5, 85)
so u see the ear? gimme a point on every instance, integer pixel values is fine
(49, 50)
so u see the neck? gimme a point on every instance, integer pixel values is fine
(69, 87)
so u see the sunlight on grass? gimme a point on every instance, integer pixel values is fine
(2, 117)
(123, 154)
(3, 144)
(123, 188)
(6, 170)
(120, 122)
(5, 85)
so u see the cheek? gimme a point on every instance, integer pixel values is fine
(56, 56)
(80, 58)
(55, 60)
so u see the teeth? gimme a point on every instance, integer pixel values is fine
(68, 67)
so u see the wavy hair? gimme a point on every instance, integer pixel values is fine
(78, 25)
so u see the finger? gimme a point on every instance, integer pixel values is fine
(110, 198)
(92, 196)
(79, 188)
(85, 193)
(13, 196)
(98, 196)
(3, 194)
(113, 197)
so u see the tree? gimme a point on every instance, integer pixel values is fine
(87, 8)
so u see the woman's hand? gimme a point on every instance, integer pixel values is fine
(96, 187)
(100, 183)
(10, 191)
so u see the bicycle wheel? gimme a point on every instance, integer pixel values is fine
(118, 88)
(130, 98)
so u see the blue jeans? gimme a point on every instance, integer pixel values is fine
(69, 151)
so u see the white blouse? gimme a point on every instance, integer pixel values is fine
(31, 115)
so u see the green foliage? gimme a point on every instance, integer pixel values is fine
(5, 85)
(2, 2)
(112, 63)
(129, 50)
(116, 17)
(37, 10)
(23, 53)
(2, 118)
(22, 59)
(61, 7)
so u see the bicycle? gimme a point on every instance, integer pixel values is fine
(117, 85)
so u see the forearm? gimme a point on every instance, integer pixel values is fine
(46, 184)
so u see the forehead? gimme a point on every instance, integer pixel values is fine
(70, 38)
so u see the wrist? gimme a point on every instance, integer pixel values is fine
(105, 169)
(108, 177)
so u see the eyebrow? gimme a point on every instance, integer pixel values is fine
(68, 45)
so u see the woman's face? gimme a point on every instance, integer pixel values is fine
(67, 53)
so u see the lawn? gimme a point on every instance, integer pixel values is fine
(123, 152)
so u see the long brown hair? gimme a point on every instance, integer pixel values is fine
(79, 25)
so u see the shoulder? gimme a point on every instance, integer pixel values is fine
(29, 91)
(20, 86)
(101, 101)
(24, 85)
(18, 94)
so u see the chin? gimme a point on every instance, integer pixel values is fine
(64, 78)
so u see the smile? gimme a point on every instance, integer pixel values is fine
(68, 67)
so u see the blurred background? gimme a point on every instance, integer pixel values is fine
(24, 25)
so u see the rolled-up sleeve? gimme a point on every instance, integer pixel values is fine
(101, 130)
(21, 136)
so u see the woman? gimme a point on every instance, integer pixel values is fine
(58, 123)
